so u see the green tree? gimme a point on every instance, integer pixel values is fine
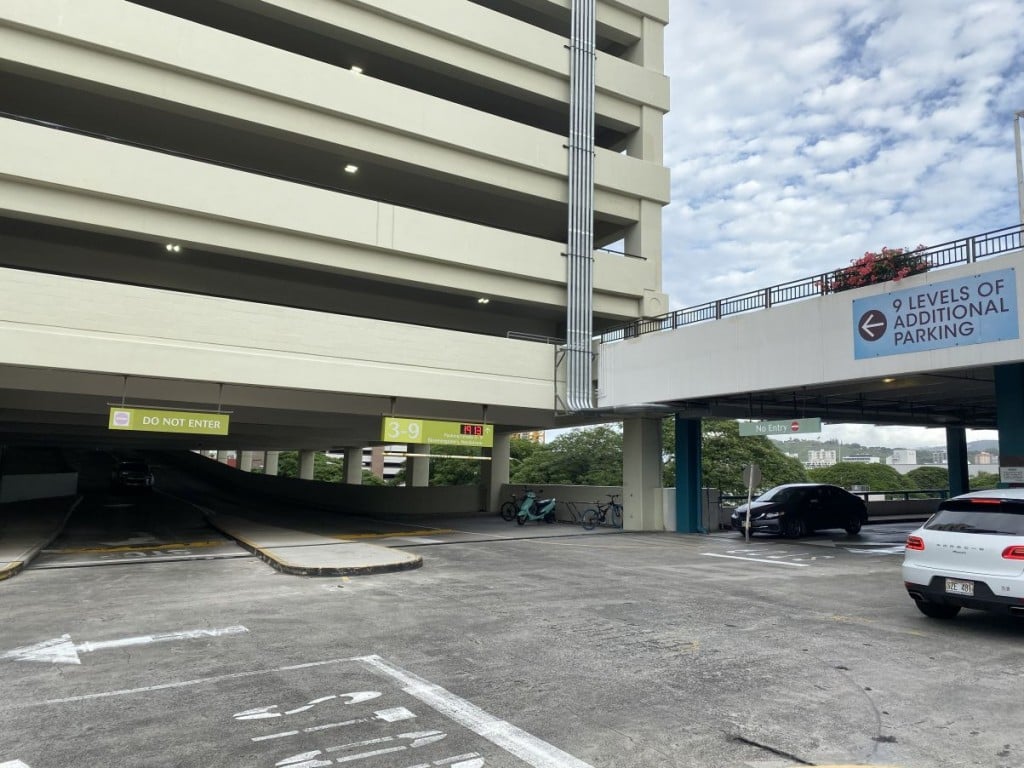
(877, 477)
(983, 481)
(325, 468)
(725, 454)
(371, 479)
(591, 456)
(447, 471)
(928, 478)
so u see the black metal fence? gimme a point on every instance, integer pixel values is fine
(963, 251)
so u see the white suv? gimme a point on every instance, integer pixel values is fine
(970, 554)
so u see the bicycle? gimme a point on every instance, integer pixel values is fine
(598, 516)
(509, 509)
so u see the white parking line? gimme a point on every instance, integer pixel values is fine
(755, 560)
(515, 741)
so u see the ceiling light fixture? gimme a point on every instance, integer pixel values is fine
(173, 248)
(483, 300)
(888, 380)
(351, 168)
(357, 70)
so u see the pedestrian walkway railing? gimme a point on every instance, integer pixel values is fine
(963, 251)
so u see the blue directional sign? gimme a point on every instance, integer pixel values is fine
(972, 310)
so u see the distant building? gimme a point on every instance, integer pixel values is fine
(862, 459)
(983, 457)
(821, 458)
(383, 461)
(903, 456)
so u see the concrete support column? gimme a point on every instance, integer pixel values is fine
(223, 456)
(956, 451)
(1010, 416)
(689, 496)
(497, 475)
(417, 468)
(306, 464)
(244, 460)
(270, 459)
(648, 142)
(649, 50)
(643, 239)
(641, 475)
(354, 466)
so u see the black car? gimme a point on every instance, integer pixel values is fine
(132, 475)
(800, 508)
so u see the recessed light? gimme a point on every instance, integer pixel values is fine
(888, 380)
(173, 247)
(351, 168)
(357, 70)
(483, 300)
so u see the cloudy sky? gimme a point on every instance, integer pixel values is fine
(804, 133)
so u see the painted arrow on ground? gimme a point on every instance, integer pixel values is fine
(60, 650)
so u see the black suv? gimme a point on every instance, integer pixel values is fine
(133, 474)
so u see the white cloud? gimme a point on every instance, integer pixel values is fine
(802, 135)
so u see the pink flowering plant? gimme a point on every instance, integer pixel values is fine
(872, 268)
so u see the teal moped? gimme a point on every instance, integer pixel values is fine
(533, 508)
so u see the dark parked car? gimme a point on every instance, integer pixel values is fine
(134, 475)
(800, 508)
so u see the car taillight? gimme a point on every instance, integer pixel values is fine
(986, 501)
(915, 542)
(1014, 552)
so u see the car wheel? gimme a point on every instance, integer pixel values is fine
(937, 610)
(795, 528)
(853, 527)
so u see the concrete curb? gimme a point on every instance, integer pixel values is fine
(13, 567)
(400, 562)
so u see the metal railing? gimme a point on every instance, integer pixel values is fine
(963, 251)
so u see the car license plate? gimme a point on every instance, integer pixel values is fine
(960, 587)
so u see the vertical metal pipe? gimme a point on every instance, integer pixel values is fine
(1020, 167)
(580, 241)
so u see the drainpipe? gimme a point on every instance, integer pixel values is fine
(580, 245)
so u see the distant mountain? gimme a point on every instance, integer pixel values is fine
(984, 445)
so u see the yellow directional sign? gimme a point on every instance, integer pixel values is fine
(181, 422)
(427, 432)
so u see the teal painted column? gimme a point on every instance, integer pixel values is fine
(688, 476)
(1010, 415)
(956, 452)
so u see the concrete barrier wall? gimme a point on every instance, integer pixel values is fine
(908, 508)
(370, 500)
(37, 486)
(465, 500)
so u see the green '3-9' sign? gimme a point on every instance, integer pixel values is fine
(426, 432)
